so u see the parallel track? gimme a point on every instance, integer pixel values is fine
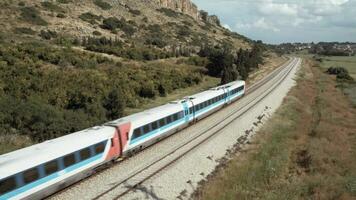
(283, 71)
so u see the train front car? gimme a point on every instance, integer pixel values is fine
(236, 90)
(40, 170)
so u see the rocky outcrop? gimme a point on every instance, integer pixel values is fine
(213, 19)
(183, 6)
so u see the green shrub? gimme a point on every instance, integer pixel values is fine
(97, 33)
(89, 17)
(168, 12)
(48, 35)
(52, 7)
(113, 23)
(135, 12)
(24, 30)
(32, 15)
(21, 3)
(341, 73)
(103, 5)
(61, 15)
(64, 1)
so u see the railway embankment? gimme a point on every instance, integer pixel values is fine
(306, 150)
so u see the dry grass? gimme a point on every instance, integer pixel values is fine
(306, 151)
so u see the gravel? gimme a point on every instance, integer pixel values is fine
(179, 180)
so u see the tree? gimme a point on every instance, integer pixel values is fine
(219, 59)
(229, 74)
(114, 104)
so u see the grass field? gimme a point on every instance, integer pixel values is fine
(306, 151)
(348, 62)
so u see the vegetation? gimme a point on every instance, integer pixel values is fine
(64, 1)
(222, 62)
(89, 17)
(52, 7)
(116, 47)
(102, 4)
(113, 23)
(48, 34)
(42, 88)
(341, 73)
(168, 12)
(32, 16)
(24, 30)
(290, 161)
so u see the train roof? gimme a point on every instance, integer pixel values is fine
(146, 116)
(208, 94)
(26, 158)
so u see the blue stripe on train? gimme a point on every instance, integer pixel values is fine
(46, 179)
(181, 121)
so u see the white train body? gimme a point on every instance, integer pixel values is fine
(40, 170)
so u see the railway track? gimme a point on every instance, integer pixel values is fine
(130, 183)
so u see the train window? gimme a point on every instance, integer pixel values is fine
(51, 167)
(137, 133)
(99, 148)
(69, 160)
(181, 115)
(169, 119)
(154, 125)
(175, 117)
(162, 122)
(191, 110)
(84, 154)
(30, 175)
(7, 185)
(146, 129)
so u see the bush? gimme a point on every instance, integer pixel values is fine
(52, 7)
(32, 15)
(97, 33)
(103, 5)
(340, 72)
(48, 35)
(168, 12)
(135, 12)
(89, 17)
(23, 30)
(61, 15)
(64, 1)
(113, 23)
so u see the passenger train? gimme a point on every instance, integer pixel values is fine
(40, 170)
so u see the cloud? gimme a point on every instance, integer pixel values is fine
(259, 24)
(277, 21)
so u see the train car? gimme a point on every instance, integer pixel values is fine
(40, 170)
(207, 102)
(152, 125)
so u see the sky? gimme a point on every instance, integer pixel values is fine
(279, 21)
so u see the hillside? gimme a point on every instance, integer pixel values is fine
(66, 65)
(140, 22)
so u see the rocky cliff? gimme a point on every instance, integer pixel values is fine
(183, 6)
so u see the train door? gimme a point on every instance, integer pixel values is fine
(186, 111)
(228, 96)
